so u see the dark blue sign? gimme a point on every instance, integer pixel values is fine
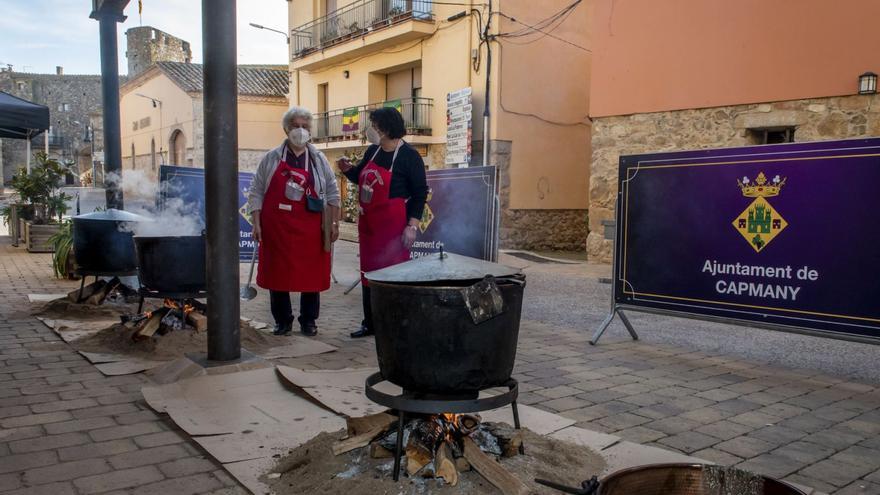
(188, 184)
(460, 213)
(782, 235)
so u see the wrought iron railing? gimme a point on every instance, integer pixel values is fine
(339, 125)
(357, 19)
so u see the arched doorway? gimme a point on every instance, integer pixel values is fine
(178, 148)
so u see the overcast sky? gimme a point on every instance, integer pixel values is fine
(37, 35)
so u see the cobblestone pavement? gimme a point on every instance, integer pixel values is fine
(66, 429)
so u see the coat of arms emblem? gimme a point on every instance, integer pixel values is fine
(760, 223)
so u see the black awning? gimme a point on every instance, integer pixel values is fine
(21, 119)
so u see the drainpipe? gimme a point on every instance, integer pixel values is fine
(221, 178)
(486, 111)
(108, 13)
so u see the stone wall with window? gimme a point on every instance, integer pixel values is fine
(70, 98)
(815, 119)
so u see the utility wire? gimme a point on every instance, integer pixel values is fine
(545, 33)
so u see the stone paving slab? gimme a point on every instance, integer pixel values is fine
(818, 430)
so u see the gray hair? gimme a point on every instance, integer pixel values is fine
(295, 112)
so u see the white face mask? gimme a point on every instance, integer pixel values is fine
(298, 136)
(373, 135)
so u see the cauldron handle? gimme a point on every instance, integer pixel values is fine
(589, 487)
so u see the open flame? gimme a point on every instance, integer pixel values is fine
(186, 308)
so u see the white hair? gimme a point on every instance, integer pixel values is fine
(295, 112)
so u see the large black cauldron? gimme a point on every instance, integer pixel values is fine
(171, 265)
(102, 242)
(446, 324)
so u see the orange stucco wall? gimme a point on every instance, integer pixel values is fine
(652, 55)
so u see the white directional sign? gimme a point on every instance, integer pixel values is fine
(459, 127)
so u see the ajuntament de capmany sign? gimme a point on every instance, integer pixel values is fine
(785, 236)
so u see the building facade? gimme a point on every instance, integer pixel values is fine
(162, 116)
(70, 98)
(350, 56)
(716, 74)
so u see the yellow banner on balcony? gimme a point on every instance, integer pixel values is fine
(350, 119)
(395, 104)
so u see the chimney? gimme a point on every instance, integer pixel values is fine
(59, 71)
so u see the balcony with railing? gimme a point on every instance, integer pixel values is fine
(342, 125)
(378, 22)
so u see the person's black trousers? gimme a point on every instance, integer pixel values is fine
(282, 311)
(368, 310)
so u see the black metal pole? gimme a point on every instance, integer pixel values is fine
(221, 178)
(110, 100)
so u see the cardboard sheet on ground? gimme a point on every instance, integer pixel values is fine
(119, 364)
(248, 473)
(235, 402)
(70, 330)
(340, 390)
(242, 419)
(265, 441)
(44, 297)
(540, 422)
(298, 347)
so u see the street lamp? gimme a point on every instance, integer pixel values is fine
(282, 33)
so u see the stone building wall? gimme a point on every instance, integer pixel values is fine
(147, 45)
(70, 98)
(534, 229)
(815, 119)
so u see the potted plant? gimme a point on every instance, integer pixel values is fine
(62, 251)
(39, 189)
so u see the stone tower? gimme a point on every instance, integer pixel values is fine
(147, 45)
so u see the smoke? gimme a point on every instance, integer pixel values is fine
(168, 214)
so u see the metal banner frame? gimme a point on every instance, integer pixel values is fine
(618, 308)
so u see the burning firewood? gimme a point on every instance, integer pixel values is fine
(509, 439)
(152, 324)
(422, 444)
(444, 466)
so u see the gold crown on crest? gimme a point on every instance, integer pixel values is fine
(760, 187)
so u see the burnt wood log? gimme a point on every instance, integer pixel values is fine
(197, 320)
(97, 297)
(379, 452)
(88, 290)
(377, 425)
(509, 438)
(490, 469)
(357, 426)
(152, 325)
(444, 465)
(423, 442)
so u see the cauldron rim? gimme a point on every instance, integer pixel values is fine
(447, 284)
(691, 465)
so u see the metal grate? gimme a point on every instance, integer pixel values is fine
(328, 126)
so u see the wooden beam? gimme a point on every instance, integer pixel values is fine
(493, 471)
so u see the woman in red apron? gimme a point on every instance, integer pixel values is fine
(288, 225)
(392, 194)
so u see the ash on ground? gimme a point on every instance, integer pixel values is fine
(312, 468)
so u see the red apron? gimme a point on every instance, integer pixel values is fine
(292, 256)
(382, 219)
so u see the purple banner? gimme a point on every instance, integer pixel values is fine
(781, 234)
